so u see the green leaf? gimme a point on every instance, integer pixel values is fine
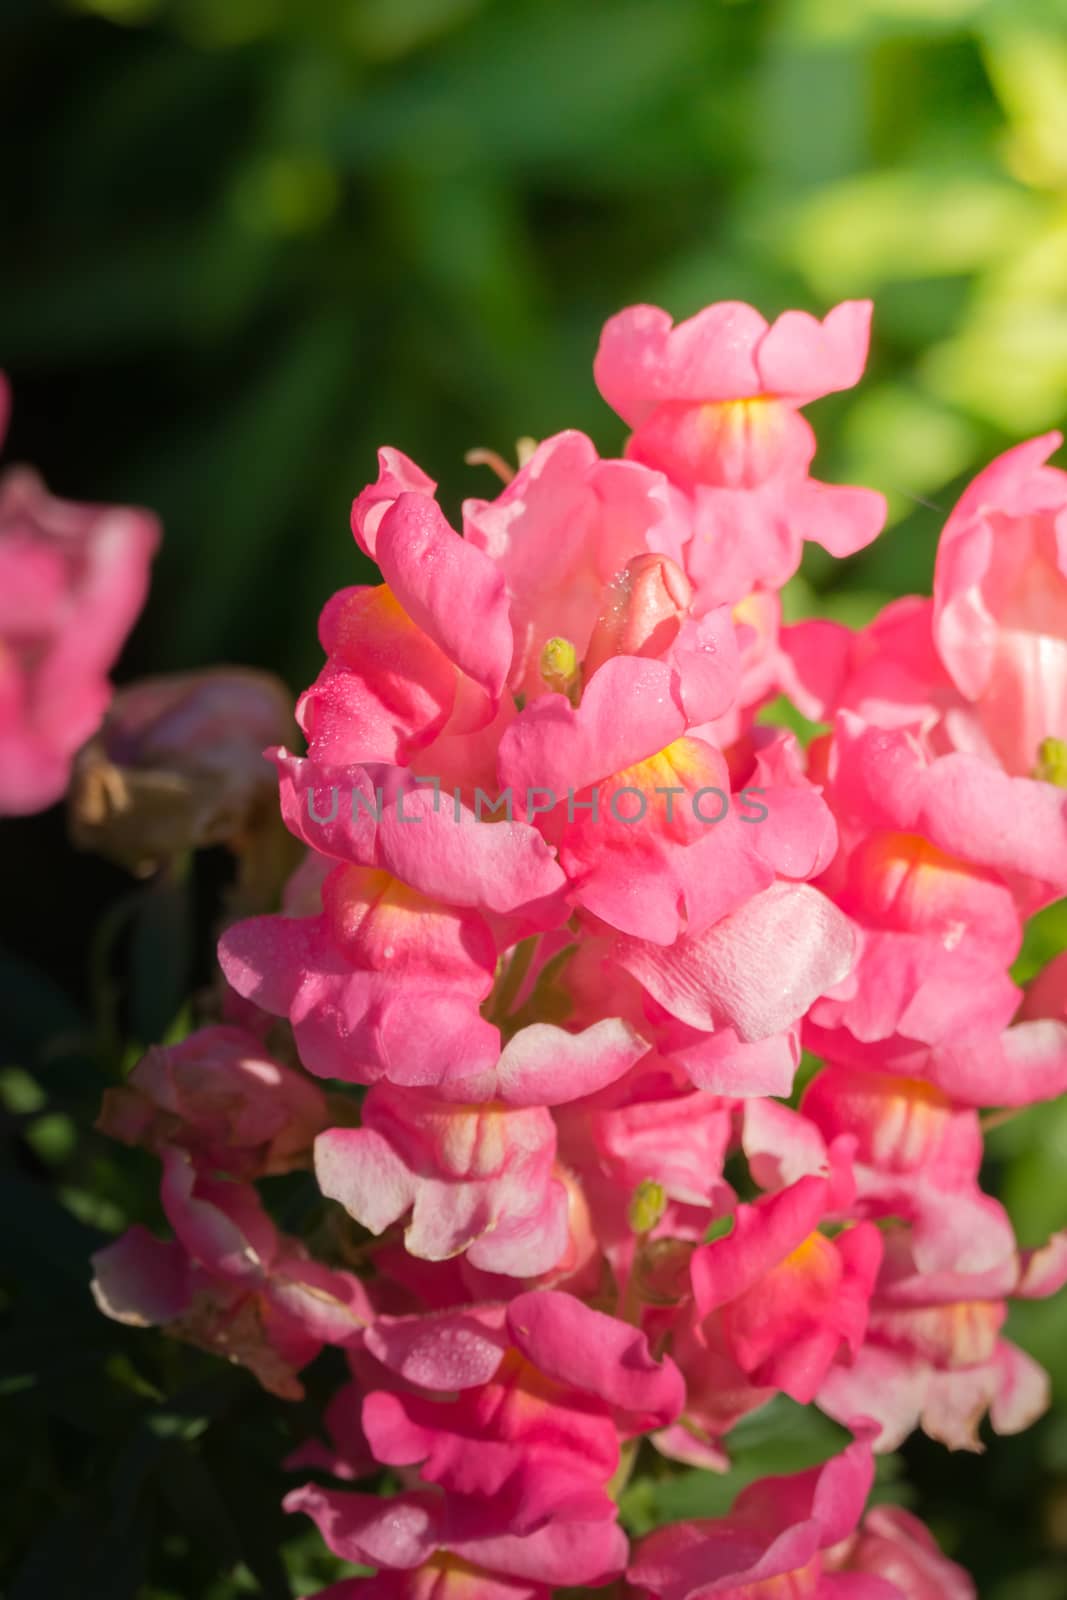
(779, 1439)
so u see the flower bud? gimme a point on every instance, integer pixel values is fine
(1052, 762)
(647, 1205)
(641, 612)
(559, 665)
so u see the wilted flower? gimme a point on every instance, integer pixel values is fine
(222, 1097)
(178, 764)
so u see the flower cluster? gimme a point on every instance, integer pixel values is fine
(590, 1207)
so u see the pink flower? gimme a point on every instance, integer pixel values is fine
(387, 690)
(651, 1128)
(1000, 607)
(383, 983)
(1014, 830)
(788, 1301)
(583, 980)
(560, 532)
(441, 580)
(228, 1281)
(389, 984)
(73, 579)
(456, 1280)
(479, 1177)
(220, 1096)
(917, 1158)
(430, 839)
(933, 1356)
(888, 673)
(774, 1540)
(714, 403)
(1017, 1066)
(651, 1125)
(424, 1544)
(652, 839)
(475, 1178)
(982, 667)
(404, 664)
(942, 856)
(718, 979)
(893, 1545)
(728, 352)
(539, 1395)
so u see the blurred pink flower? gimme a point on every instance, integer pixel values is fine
(73, 579)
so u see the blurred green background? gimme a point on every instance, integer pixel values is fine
(247, 241)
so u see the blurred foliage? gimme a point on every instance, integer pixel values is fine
(245, 242)
(248, 242)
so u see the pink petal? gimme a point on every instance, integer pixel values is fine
(543, 1065)
(598, 1354)
(643, 360)
(442, 582)
(445, 1350)
(763, 1235)
(1023, 1391)
(559, 1555)
(720, 978)
(800, 358)
(397, 475)
(628, 712)
(399, 1531)
(360, 1169)
(141, 1280)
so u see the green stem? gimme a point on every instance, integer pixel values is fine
(997, 1119)
(629, 1306)
(513, 979)
(621, 1476)
(103, 989)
